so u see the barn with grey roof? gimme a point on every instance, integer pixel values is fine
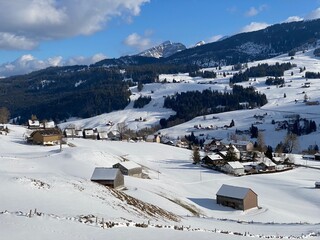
(237, 197)
(111, 177)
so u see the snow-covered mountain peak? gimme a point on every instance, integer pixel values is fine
(165, 49)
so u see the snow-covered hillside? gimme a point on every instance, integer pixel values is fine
(279, 108)
(47, 193)
(55, 187)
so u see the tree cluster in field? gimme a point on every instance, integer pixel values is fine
(141, 101)
(203, 74)
(262, 70)
(312, 75)
(188, 105)
(316, 52)
(274, 81)
(302, 126)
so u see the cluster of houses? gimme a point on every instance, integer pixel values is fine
(244, 159)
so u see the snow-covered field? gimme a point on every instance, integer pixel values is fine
(55, 187)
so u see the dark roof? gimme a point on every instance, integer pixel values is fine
(47, 132)
(101, 173)
(233, 191)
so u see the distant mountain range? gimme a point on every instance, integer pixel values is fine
(165, 49)
(83, 91)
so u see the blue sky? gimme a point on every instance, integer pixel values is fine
(62, 32)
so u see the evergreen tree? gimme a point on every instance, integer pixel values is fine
(268, 152)
(231, 154)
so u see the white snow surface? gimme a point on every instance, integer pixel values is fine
(55, 185)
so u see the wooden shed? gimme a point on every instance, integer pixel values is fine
(129, 168)
(240, 198)
(110, 177)
(46, 136)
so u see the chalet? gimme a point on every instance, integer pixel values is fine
(153, 138)
(266, 164)
(129, 168)
(33, 124)
(235, 168)
(69, 132)
(110, 177)
(212, 145)
(237, 197)
(46, 136)
(213, 160)
(49, 124)
(114, 135)
(78, 133)
(89, 133)
(103, 135)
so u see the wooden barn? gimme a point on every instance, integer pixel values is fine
(237, 197)
(129, 168)
(46, 136)
(110, 177)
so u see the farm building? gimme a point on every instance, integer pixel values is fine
(129, 168)
(235, 168)
(46, 136)
(237, 197)
(110, 177)
(33, 124)
(89, 133)
(213, 160)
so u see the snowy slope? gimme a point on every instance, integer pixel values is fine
(165, 49)
(56, 184)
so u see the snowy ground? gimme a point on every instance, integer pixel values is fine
(56, 185)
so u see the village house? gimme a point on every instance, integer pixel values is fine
(114, 135)
(49, 124)
(102, 135)
(89, 133)
(212, 145)
(46, 136)
(153, 138)
(110, 177)
(235, 168)
(129, 168)
(239, 198)
(33, 124)
(213, 160)
(317, 156)
(242, 146)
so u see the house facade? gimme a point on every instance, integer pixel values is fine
(235, 168)
(239, 198)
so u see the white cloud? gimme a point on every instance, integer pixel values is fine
(255, 11)
(137, 41)
(214, 38)
(30, 22)
(252, 12)
(254, 26)
(293, 19)
(28, 63)
(314, 14)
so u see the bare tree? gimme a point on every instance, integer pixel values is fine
(261, 145)
(4, 115)
(291, 142)
(195, 155)
(121, 127)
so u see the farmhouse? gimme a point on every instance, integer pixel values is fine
(110, 177)
(237, 197)
(129, 168)
(46, 136)
(213, 160)
(235, 168)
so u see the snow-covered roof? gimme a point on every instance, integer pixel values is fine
(129, 165)
(235, 165)
(101, 173)
(233, 191)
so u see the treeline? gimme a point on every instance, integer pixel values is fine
(141, 101)
(149, 73)
(274, 81)
(188, 105)
(262, 70)
(203, 74)
(312, 75)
